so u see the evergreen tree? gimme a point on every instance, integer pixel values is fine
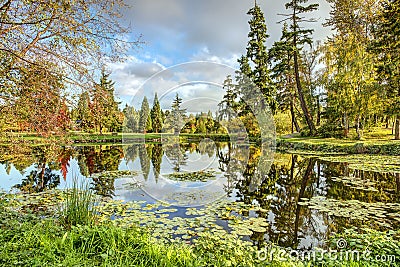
(132, 119)
(82, 113)
(144, 161)
(156, 115)
(104, 108)
(228, 105)
(201, 127)
(112, 118)
(244, 86)
(249, 99)
(149, 124)
(177, 115)
(281, 55)
(210, 123)
(257, 54)
(299, 37)
(156, 159)
(144, 116)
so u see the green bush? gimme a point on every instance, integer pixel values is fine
(330, 130)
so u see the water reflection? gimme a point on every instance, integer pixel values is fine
(289, 180)
(43, 174)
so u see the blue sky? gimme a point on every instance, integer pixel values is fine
(179, 31)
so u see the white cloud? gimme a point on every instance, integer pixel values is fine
(130, 75)
(177, 31)
(178, 27)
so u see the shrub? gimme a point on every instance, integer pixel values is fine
(330, 130)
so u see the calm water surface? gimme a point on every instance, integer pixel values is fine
(240, 173)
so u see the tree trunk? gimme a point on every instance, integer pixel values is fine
(358, 127)
(300, 93)
(397, 128)
(345, 125)
(318, 111)
(293, 115)
(393, 124)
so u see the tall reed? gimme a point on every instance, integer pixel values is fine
(78, 207)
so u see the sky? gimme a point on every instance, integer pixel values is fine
(176, 32)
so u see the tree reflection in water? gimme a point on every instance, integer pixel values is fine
(44, 175)
(290, 179)
(98, 159)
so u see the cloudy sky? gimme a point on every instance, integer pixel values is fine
(181, 31)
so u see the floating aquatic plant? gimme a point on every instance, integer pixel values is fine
(379, 213)
(199, 176)
(373, 163)
(114, 174)
(357, 183)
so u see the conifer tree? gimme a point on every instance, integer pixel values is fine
(300, 37)
(144, 116)
(82, 112)
(257, 54)
(132, 119)
(281, 55)
(228, 105)
(104, 108)
(177, 115)
(156, 115)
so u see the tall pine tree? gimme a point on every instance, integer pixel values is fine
(156, 115)
(82, 113)
(177, 115)
(281, 55)
(299, 37)
(144, 116)
(227, 106)
(257, 54)
(104, 108)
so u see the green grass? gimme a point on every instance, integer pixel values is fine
(79, 205)
(45, 243)
(375, 141)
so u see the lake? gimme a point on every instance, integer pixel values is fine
(304, 198)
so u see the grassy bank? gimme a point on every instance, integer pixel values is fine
(376, 141)
(110, 138)
(46, 243)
